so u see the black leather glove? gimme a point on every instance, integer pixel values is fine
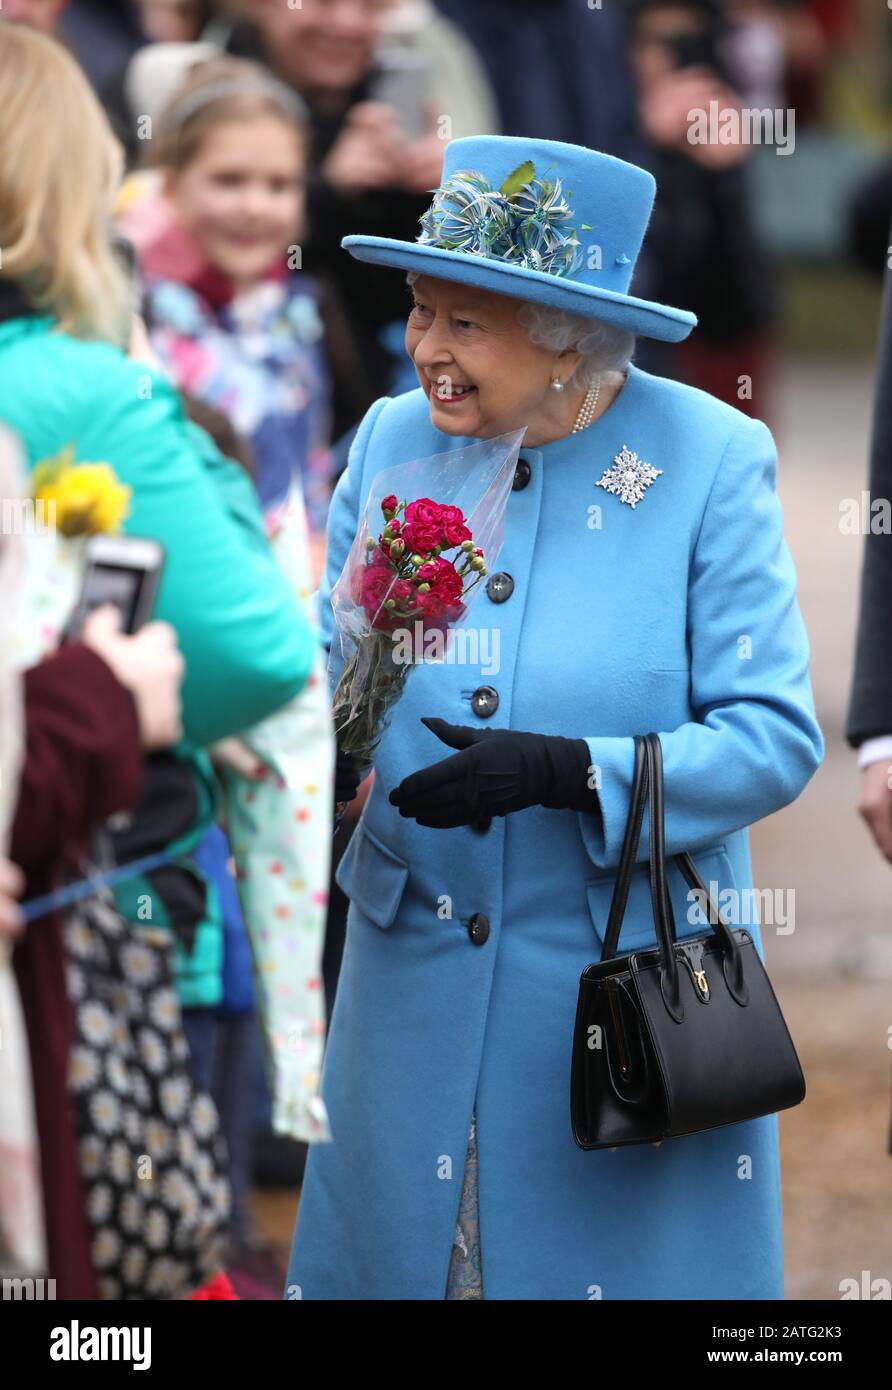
(347, 777)
(496, 771)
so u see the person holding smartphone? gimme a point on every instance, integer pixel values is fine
(92, 710)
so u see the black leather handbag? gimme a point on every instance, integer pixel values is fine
(682, 1037)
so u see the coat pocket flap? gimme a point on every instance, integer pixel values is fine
(372, 876)
(638, 924)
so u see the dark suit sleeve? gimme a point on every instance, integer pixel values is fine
(82, 758)
(870, 704)
(869, 216)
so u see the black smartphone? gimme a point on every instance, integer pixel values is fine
(124, 571)
(698, 50)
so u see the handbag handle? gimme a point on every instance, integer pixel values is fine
(664, 917)
(647, 778)
(637, 803)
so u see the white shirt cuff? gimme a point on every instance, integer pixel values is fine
(874, 750)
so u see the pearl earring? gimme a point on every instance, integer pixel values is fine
(556, 384)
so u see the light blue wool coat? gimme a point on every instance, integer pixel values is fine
(679, 616)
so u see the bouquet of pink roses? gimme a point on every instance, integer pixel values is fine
(413, 569)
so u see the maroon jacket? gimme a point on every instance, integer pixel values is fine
(82, 764)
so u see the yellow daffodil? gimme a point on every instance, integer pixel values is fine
(88, 497)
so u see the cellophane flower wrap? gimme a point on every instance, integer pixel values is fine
(431, 531)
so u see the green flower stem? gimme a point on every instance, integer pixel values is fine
(360, 734)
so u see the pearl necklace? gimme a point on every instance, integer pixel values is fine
(588, 408)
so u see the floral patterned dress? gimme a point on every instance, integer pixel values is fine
(256, 357)
(465, 1279)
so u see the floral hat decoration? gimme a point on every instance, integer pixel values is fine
(539, 220)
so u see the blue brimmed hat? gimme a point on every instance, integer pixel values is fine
(540, 220)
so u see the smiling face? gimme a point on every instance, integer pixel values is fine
(478, 368)
(241, 196)
(319, 45)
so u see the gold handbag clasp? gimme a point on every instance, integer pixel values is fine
(694, 953)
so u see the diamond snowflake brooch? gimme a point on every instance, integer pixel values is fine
(629, 477)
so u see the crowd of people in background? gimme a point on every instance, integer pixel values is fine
(233, 145)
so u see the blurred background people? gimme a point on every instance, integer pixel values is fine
(245, 335)
(869, 718)
(233, 322)
(39, 14)
(709, 243)
(176, 21)
(559, 69)
(66, 326)
(102, 34)
(375, 148)
(373, 77)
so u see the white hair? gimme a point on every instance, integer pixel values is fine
(603, 347)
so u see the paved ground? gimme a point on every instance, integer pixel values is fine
(833, 974)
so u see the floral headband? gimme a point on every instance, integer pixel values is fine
(526, 221)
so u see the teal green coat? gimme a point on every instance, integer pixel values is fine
(246, 642)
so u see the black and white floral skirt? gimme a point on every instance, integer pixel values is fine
(465, 1278)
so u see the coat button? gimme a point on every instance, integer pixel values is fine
(485, 701)
(478, 928)
(500, 586)
(521, 475)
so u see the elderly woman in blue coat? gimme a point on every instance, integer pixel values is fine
(644, 584)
